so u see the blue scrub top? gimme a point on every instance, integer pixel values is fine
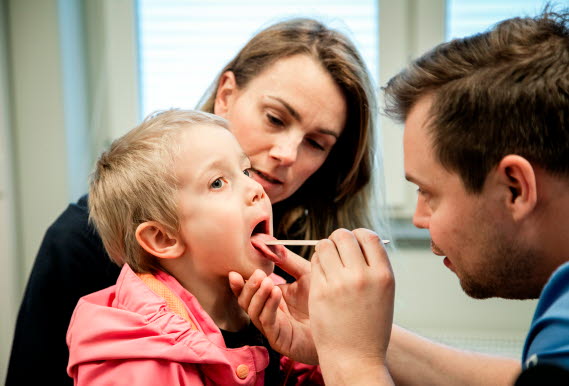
(548, 339)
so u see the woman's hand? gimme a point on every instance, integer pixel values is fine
(351, 307)
(280, 312)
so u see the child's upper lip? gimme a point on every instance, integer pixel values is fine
(265, 219)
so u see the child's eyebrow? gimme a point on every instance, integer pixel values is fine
(219, 163)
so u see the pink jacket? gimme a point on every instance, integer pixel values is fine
(149, 330)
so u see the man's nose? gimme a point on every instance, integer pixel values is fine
(422, 214)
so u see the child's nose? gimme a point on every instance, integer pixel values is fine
(255, 192)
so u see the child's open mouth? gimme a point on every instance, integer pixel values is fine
(259, 236)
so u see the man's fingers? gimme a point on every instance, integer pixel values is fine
(318, 276)
(372, 247)
(328, 257)
(250, 288)
(268, 315)
(294, 264)
(349, 249)
(236, 283)
(258, 302)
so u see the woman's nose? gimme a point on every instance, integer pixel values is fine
(285, 149)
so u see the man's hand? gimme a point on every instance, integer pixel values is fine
(280, 312)
(351, 307)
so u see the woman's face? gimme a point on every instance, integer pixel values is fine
(287, 119)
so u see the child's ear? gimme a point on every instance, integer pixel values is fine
(224, 94)
(153, 237)
(519, 177)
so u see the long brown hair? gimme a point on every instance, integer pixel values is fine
(341, 192)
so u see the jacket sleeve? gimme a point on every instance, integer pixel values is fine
(297, 373)
(140, 372)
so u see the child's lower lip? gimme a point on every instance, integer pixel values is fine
(268, 252)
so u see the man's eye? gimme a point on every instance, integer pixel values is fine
(422, 193)
(217, 184)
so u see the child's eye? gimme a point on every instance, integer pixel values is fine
(247, 172)
(217, 184)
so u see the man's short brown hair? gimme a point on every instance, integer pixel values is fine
(505, 91)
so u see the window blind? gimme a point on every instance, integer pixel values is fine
(184, 44)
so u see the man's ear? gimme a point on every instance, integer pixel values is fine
(518, 175)
(225, 93)
(153, 237)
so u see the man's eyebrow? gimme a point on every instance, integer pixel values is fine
(297, 116)
(411, 179)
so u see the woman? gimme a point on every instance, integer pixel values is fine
(300, 102)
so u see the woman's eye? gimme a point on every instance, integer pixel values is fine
(274, 120)
(315, 144)
(217, 184)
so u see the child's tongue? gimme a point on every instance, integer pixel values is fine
(273, 253)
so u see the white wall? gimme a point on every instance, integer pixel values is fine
(68, 83)
(38, 125)
(429, 300)
(8, 261)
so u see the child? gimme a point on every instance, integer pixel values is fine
(174, 205)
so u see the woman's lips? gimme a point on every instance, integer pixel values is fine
(267, 177)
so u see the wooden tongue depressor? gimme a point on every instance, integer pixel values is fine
(301, 242)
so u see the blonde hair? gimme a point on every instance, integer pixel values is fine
(133, 182)
(341, 193)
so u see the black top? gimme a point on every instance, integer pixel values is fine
(250, 336)
(543, 374)
(71, 263)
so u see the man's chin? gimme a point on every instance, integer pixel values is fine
(476, 290)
